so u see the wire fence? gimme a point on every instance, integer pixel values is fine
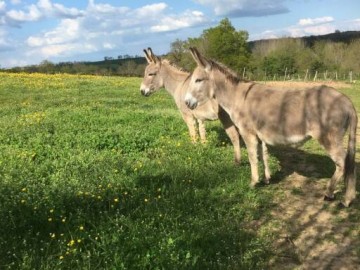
(307, 75)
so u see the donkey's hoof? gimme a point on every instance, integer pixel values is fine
(343, 204)
(254, 185)
(237, 163)
(329, 199)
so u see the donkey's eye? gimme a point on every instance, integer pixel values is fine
(198, 80)
(152, 74)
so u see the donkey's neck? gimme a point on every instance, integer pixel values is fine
(225, 92)
(172, 77)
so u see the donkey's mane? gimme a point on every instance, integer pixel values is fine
(172, 64)
(231, 75)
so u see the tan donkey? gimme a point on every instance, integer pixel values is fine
(276, 116)
(160, 73)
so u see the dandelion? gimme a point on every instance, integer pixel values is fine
(63, 220)
(116, 200)
(81, 228)
(24, 189)
(52, 235)
(51, 211)
(79, 241)
(71, 243)
(61, 257)
(23, 201)
(50, 219)
(146, 200)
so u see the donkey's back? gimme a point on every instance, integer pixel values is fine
(291, 116)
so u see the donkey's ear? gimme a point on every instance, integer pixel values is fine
(153, 57)
(147, 56)
(199, 59)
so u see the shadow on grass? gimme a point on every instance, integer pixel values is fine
(160, 220)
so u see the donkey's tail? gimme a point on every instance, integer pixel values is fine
(350, 170)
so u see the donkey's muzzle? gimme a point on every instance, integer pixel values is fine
(145, 93)
(191, 105)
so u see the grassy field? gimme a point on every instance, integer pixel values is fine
(95, 176)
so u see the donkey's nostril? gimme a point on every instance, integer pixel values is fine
(191, 105)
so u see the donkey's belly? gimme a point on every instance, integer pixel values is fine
(277, 139)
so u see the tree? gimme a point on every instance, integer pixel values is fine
(222, 43)
(227, 45)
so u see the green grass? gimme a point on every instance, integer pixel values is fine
(95, 176)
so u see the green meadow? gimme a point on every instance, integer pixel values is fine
(95, 176)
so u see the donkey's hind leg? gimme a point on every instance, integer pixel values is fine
(337, 154)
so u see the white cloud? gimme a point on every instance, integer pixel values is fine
(33, 14)
(187, 19)
(150, 11)
(311, 26)
(98, 28)
(315, 21)
(2, 6)
(67, 31)
(245, 8)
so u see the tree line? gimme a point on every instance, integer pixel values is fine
(132, 66)
(333, 56)
(329, 57)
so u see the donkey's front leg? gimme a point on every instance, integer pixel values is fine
(190, 122)
(251, 142)
(265, 157)
(202, 130)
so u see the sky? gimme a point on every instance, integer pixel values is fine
(32, 31)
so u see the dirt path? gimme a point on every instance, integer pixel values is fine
(311, 233)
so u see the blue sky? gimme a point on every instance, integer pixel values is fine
(87, 30)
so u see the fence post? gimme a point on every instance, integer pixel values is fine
(315, 77)
(350, 76)
(306, 75)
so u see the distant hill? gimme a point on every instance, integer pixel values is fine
(117, 62)
(345, 37)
